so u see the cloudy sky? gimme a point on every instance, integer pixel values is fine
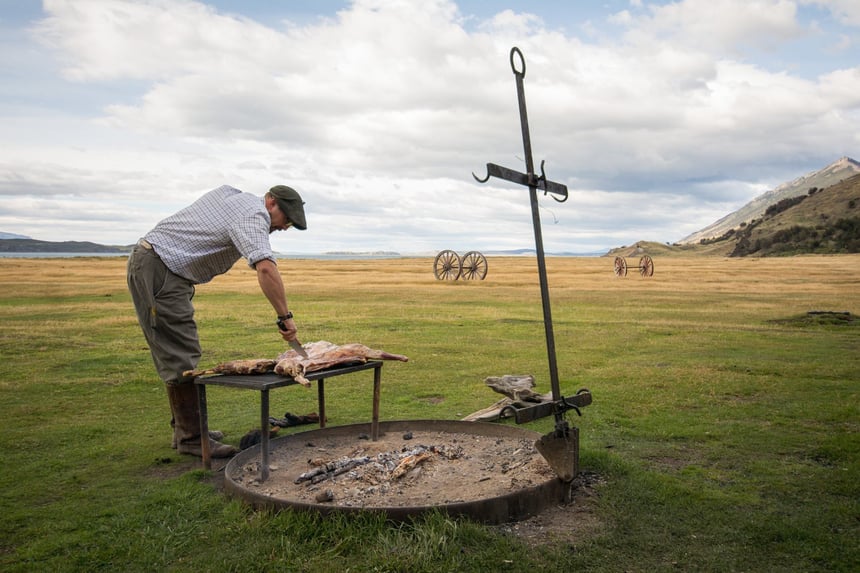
(660, 117)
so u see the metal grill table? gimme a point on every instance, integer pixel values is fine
(265, 382)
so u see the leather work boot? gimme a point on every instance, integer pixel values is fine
(186, 417)
(216, 435)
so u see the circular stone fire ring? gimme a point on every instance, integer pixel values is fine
(490, 473)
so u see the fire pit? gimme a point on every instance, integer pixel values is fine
(491, 473)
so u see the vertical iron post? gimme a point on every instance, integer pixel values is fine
(533, 182)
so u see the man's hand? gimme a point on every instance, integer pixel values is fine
(288, 329)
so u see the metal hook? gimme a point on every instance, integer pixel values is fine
(542, 183)
(484, 180)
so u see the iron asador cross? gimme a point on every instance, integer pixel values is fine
(557, 446)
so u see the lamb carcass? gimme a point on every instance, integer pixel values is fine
(322, 355)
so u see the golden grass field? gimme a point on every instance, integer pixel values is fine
(833, 279)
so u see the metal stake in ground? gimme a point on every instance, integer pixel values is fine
(560, 448)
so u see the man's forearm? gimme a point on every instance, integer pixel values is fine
(272, 285)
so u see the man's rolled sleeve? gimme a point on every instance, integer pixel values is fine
(251, 237)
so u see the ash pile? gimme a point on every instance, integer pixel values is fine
(374, 474)
(442, 468)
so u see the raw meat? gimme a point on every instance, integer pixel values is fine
(252, 366)
(322, 355)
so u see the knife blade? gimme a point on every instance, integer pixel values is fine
(297, 346)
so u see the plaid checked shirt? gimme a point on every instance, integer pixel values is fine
(206, 238)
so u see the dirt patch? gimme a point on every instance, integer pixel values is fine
(820, 318)
(570, 523)
(174, 466)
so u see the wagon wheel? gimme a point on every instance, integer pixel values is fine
(620, 267)
(446, 266)
(646, 266)
(474, 266)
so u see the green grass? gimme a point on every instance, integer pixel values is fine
(725, 426)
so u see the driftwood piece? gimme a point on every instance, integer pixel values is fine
(515, 387)
(518, 392)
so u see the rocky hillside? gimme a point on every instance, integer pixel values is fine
(821, 221)
(837, 171)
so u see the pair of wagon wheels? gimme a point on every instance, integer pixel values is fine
(646, 266)
(449, 266)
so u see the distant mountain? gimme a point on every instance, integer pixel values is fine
(34, 246)
(12, 236)
(837, 171)
(821, 221)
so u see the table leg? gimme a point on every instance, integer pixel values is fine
(204, 426)
(264, 434)
(374, 421)
(321, 400)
